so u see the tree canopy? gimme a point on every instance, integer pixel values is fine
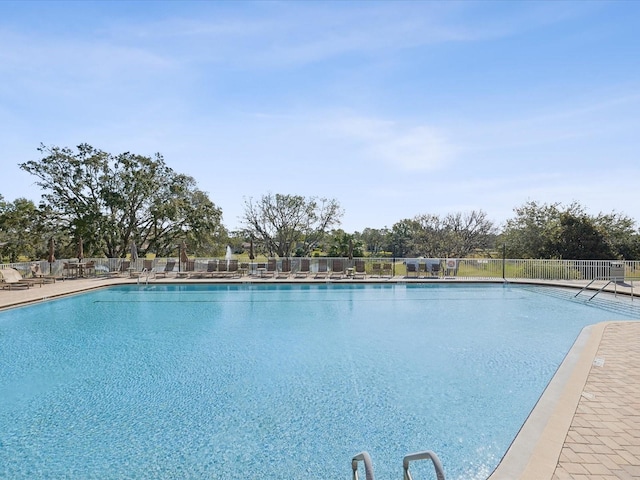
(21, 229)
(554, 230)
(455, 235)
(111, 201)
(343, 244)
(290, 223)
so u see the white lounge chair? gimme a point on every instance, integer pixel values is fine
(11, 278)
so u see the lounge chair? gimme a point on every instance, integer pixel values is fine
(243, 269)
(147, 269)
(259, 269)
(222, 268)
(119, 270)
(189, 269)
(337, 269)
(212, 269)
(423, 269)
(387, 270)
(285, 268)
(412, 270)
(359, 270)
(323, 270)
(435, 269)
(376, 269)
(168, 268)
(232, 268)
(40, 276)
(271, 269)
(125, 267)
(10, 278)
(304, 270)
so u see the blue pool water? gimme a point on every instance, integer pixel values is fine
(273, 382)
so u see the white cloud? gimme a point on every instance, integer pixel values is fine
(418, 148)
(396, 144)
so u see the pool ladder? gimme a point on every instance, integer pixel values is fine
(144, 273)
(424, 455)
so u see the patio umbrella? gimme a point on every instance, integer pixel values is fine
(52, 257)
(183, 252)
(134, 252)
(251, 255)
(80, 249)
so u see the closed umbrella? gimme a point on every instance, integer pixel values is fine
(183, 252)
(52, 257)
(251, 255)
(80, 249)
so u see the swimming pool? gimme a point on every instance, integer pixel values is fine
(282, 381)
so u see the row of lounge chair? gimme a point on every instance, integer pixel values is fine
(217, 269)
(423, 269)
(148, 268)
(12, 279)
(336, 268)
(273, 268)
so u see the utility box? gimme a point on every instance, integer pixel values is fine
(616, 271)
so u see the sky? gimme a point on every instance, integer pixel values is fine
(393, 108)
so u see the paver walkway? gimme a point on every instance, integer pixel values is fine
(603, 441)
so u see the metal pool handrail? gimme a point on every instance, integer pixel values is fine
(144, 273)
(424, 455)
(609, 280)
(368, 467)
(427, 454)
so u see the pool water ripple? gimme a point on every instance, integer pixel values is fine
(274, 382)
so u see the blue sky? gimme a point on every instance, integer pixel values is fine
(393, 108)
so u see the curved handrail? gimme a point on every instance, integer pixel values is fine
(368, 466)
(427, 454)
(142, 273)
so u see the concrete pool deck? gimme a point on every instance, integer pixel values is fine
(586, 425)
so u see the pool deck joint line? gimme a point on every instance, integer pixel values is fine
(586, 425)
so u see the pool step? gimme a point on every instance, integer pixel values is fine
(424, 455)
(621, 304)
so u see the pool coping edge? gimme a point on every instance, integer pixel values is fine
(534, 453)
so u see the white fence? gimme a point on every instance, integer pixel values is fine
(463, 268)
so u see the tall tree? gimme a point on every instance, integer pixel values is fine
(288, 223)
(112, 200)
(345, 245)
(579, 239)
(554, 230)
(621, 233)
(402, 236)
(527, 235)
(455, 235)
(21, 230)
(375, 240)
(430, 238)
